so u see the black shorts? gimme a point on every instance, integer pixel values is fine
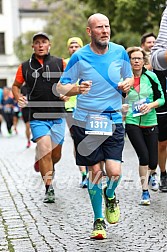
(26, 114)
(91, 149)
(16, 114)
(162, 126)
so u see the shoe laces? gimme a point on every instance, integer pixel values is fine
(164, 179)
(146, 195)
(153, 181)
(154, 176)
(112, 204)
(50, 192)
(99, 224)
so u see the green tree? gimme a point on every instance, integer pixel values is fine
(22, 46)
(129, 19)
(66, 19)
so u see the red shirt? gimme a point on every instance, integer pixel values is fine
(137, 84)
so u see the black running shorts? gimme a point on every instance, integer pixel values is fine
(91, 149)
(162, 126)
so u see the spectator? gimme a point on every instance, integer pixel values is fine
(7, 109)
(147, 42)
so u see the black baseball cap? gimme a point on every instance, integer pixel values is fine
(43, 34)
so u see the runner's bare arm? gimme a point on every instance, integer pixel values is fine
(22, 100)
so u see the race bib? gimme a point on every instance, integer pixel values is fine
(137, 105)
(98, 125)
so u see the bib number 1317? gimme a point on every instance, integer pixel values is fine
(98, 125)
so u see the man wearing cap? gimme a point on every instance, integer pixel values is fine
(41, 74)
(73, 44)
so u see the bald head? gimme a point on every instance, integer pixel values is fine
(98, 30)
(96, 17)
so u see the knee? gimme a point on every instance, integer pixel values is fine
(153, 164)
(114, 174)
(47, 156)
(144, 160)
(95, 175)
(162, 146)
(96, 172)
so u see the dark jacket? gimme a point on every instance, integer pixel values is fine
(41, 83)
(162, 76)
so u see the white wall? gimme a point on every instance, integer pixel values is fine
(12, 23)
(9, 23)
(31, 24)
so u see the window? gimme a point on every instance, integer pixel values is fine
(3, 83)
(2, 43)
(0, 6)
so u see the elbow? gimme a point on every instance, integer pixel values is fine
(58, 88)
(163, 100)
(61, 89)
(161, 103)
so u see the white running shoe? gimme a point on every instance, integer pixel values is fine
(153, 182)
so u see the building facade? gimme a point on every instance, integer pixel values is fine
(17, 17)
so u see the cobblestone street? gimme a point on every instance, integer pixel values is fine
(29, 225)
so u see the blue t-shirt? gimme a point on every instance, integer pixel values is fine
(105, 72)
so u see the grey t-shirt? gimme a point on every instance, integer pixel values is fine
(159, 49)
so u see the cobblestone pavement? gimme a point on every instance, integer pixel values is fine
(28, 225)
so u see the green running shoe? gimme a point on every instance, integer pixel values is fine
(112, 211)
(99, 232)
(49, 196)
